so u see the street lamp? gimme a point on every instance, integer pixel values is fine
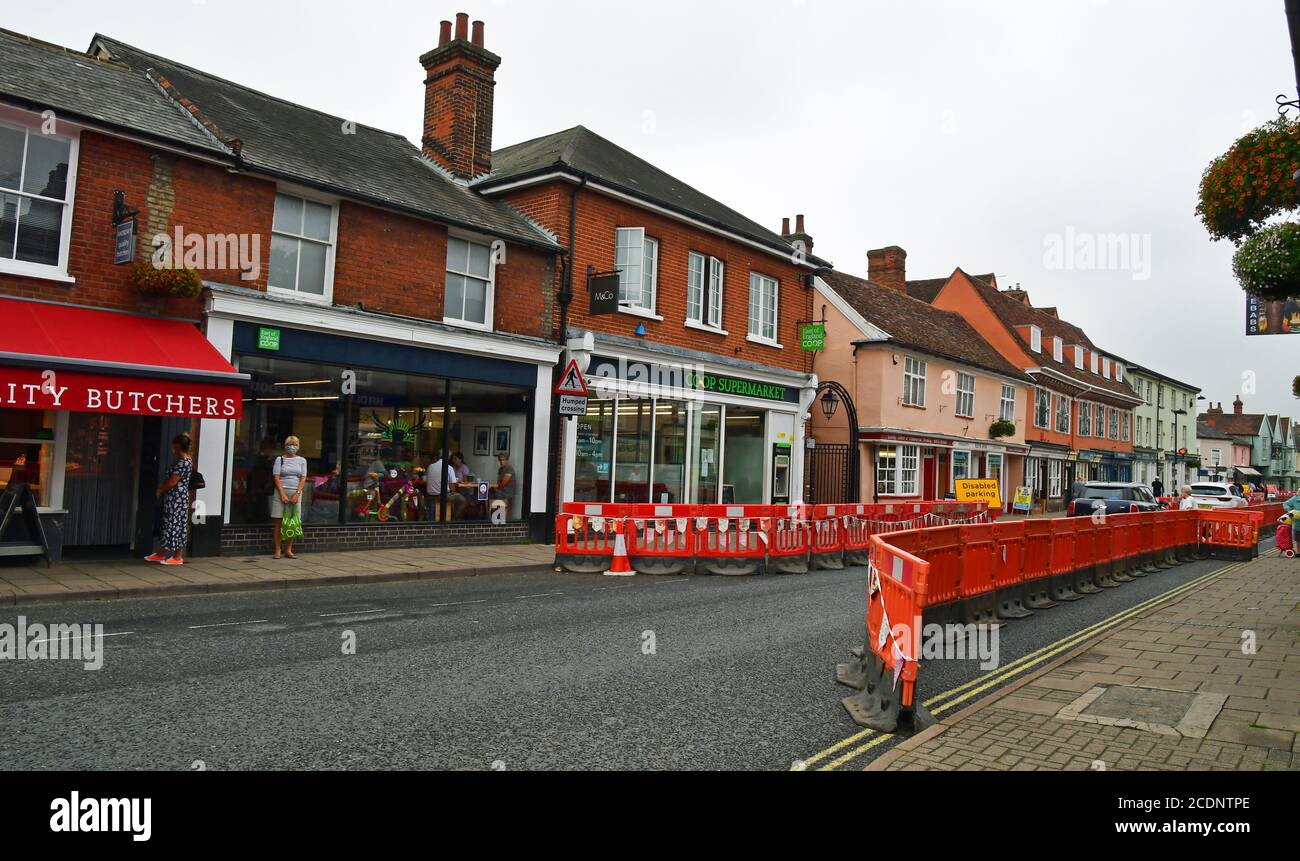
(830, 403)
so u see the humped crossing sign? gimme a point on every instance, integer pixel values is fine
(572, 391)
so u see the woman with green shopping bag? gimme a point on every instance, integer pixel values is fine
(290, 475)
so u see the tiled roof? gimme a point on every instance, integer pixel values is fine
(1246, 424)
(927, 289)
(916, 324)
(1015, 313)
(581, 151)
(311, 147)
(127, 89)
(77, 86)
(1204, 431)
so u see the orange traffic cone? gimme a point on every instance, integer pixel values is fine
(620, 568)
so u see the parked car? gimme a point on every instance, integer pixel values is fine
(1113, 497)
(1215, 495)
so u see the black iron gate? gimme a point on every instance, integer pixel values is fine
(828, 479)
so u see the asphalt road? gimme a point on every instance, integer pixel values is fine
(514, 672)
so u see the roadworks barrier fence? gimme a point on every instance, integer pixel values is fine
(997, 572)
(740, 539)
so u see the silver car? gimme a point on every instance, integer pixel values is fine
(1212, 495)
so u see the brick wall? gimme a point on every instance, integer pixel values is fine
(257, 540)
(387, 261)
(598, 218)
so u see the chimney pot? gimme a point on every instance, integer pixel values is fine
(477, 34)
(462, 25)
(1237, 406)
(785, 227)
(444, 33)
(798, 224)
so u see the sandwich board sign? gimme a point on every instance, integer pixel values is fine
(572, 391)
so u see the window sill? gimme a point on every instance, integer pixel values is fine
(640, 312)
(754, 339)
(36, 270)
(912, 406)
(308, 298)
(462, 324)
(712, 330)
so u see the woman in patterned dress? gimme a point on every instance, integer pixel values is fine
(174, 497)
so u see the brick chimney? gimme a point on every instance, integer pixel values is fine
(1237, 406)
(887, 267)
(799, 234)
(460, 75)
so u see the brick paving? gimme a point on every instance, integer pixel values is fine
(77, 581)
(1195, 644)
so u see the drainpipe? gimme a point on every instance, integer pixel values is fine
(565, 298)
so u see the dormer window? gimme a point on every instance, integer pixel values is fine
(1078, 357)
(1036, 339)
(1105, 368)
(1095, 369)
(1058, 349)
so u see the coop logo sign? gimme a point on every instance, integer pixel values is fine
(687, 382)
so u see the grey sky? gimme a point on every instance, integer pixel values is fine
(969, 133)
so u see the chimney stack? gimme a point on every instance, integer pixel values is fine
(887, 267)
(800, 238)
(460, 77)
(1237, 406)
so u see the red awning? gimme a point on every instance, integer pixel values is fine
(55, 357)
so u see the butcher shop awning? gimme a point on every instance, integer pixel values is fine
(59, 357)
(1249, 472)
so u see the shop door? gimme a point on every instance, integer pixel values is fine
(101, 479)
(993, 470)
(930, 489)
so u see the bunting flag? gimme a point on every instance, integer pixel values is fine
(661, 527)
(701, 523)
(598, 524)
(723, 524)
(682, 523)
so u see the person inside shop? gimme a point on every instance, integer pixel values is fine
(173, 497)
(433, 490)
(505, 487)
(289, 473)
(461, 468)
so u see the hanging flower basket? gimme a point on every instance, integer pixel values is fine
(1252, 181)
(1001, 428)
(1267, 264)
(153, 281)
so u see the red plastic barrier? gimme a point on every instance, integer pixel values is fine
(1063, 530)
(661, 538)
(1230, 529)
(1038, 549)
(1008, 553)
(585, 536)
(857, 528)
(732, 539)
(976, 560)
(941, 547)
(789, 538)
(1085, 534)
(903, 582)
(830, 528)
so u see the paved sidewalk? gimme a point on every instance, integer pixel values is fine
(78, 581)
(1142, 696)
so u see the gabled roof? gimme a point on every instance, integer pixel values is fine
(580, 152)
(928, 288)
(308, 146)
(1014, 313)
(920, 326)
(1204, 431)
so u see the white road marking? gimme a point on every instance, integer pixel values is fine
(605, 588)
(459, 603)
(349, 613)
(227, 624)
(543, 595)
(70, 636)
(666, 582)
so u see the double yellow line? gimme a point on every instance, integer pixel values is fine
(949, 699)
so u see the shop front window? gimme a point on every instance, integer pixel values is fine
(706, 454)
(960, 466)
(742, 476)
(595, 447)
(670, 452)
(632, 464)
(369, 457)
(887, 470)
(27, 452)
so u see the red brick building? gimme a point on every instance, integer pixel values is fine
(699, 385)
(355, 292)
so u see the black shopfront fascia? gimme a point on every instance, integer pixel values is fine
(364, 354)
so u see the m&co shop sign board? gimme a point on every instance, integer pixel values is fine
(980, 490)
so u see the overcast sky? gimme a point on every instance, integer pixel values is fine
(972, 134)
